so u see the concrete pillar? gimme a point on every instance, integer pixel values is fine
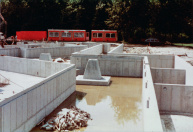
(92, 70)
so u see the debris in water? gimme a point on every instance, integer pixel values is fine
(68, 119)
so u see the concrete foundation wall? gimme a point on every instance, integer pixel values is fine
(152, 121)
(10, 52)
(24, 110)
(168, 75)
(55, 52)
(182, 64)
(111, 65)
(158, 61)
(10, 46)
(30, 67)
(118, 49)
(95, 50)
(90, 44)
(174, 98)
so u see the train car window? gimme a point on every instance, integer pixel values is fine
(68, 34)
(94, 35)
(113, 35)
(100, 35)
(51, 34)
(78, 35)
(56, 34)
(81, 35)
(107, 35)
(63, 34)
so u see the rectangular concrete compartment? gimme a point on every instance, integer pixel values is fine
(25, 109)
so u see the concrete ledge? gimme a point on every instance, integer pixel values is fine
(104, 82)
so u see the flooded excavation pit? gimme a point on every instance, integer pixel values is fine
(117, 107)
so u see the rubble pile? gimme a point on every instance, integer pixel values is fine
(68, 119)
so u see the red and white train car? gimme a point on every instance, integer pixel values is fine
(104, 35)
(67, 35)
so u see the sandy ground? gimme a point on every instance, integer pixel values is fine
(185, 53)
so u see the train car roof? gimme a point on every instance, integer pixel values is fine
(64, 30)
(105, 30)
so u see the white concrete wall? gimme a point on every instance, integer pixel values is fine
(158, 61)
(10, 52)
(95, 50)
(182, 64)
(24, 110)
(118, 49)
(152, 121)
(55, 51)
(90, 44)
(174, 98)
(111, 65)
(30, 67)
(168, 75)
(10, 46)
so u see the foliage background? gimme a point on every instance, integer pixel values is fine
(135, 20)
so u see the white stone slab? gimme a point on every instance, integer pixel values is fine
(103, 82)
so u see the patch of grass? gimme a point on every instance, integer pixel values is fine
(184, 44)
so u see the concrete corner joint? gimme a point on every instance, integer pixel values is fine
(92, 75)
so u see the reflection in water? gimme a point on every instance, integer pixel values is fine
(113, 108)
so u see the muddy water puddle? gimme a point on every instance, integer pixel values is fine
(117, 107)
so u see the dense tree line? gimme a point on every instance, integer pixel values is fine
(134, 20)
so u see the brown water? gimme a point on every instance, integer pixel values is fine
(116, 107)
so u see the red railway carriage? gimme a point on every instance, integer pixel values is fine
(31, 35)
(67, 35)
(104, 35)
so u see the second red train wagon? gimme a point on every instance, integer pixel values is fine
(104, 35)
(67, 35)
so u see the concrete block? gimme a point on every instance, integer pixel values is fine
(158, 94)
(166, 98)
(34, 103)
(113, 68)
(25, 107)
(29, 104)
(125, 68)
(43, 69)
(30, 123)
(6, 117)
(107, 67)
(49, 108)
(2, 63)
(13, 114)
(19, 102)
(45, 56)
(176, 99)
(47, 69)
(38, 99)
(40, 115)
(132, 69)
